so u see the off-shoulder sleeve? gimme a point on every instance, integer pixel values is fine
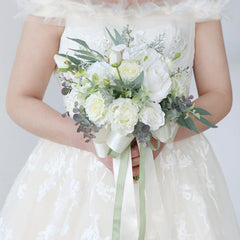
(44, 11)
(207, 10)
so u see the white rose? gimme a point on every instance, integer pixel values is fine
(62, 62)
(136, 53)
(119, 47)
(123, 115)
(96, 109)
(115, 57)
(129, 70)
(157, 79)
(102, 69)
(152, 115)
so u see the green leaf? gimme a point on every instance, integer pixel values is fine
(191, 125)
(181, 121)
(202, 111)
(79, 41)
(177, 55)
(111, 36)
(72, 59)
(99, 54)
(95, 77)
(85, 57)
(188, 123)
(118, 37)
(81, 51)
(137, 83)
(206, 122)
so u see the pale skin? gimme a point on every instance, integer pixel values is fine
(34, 65)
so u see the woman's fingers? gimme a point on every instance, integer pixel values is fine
(135, 161)
(135, 151)
(135, 171)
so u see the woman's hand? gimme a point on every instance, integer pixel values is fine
(136, 155)
(108, 161)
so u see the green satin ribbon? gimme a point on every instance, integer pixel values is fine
(149, 143)
(124, 157)
(142, 193)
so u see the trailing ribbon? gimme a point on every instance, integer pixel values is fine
(127, 221)
(142, 192)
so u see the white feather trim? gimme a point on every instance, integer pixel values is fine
(55, 11)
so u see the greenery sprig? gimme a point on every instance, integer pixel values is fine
(183, 111)
(85, 125)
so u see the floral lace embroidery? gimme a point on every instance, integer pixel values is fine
(5, 232)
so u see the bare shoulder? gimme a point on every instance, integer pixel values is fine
(36, 24)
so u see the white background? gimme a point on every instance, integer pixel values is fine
(16, 144)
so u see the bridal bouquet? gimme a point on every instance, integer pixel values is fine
(127, 92)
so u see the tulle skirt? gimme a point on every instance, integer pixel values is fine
(64, 193)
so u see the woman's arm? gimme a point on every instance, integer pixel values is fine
(29, 78)
(212, 79)
(211, 75)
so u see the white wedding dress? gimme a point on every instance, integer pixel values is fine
(64, 193)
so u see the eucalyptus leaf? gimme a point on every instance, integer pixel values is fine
(118, 37)
(137, 83)
(98, 53)
(79, 41)
(191, 125)
(202, 111)
(81, 51)
(85, 57)
(77, 117)
(188, 123)
(206, 122)
(72, 59)
(111, 36)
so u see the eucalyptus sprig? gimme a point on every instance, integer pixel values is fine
(142, 132)
(183, 111)
(85, 125)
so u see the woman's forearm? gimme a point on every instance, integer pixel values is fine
(216, 103)
(40, 119)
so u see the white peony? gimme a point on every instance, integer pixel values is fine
(62, 62)
(83, 88)
(96, 109)
(129, 70)
(102, 69)
(85, 84)
(152, 115)
(123, 115)
(157, 79)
